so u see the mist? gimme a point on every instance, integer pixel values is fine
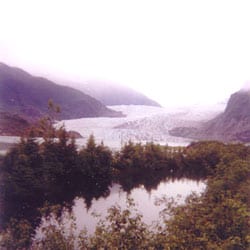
(246, 86)
(174, 53)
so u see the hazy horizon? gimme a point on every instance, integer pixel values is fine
(176, 53)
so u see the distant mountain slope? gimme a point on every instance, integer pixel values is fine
(111, 94)
(27, 96)
(232, 125)
(24, 98)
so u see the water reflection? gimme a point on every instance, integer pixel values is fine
(145, 201)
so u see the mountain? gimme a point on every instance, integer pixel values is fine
(112, 94)
(23, 96)
(232, 125)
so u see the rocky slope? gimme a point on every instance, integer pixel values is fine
(232, 125)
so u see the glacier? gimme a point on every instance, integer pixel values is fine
(142, 124)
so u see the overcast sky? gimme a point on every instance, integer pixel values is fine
(176, 52)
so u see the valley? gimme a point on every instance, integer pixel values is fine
(123, 158)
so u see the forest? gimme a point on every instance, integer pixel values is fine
(41, 178)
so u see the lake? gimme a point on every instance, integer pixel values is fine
(145, 201)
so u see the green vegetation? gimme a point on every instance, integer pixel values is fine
(43, 178)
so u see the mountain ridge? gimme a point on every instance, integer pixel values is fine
(111, 94)
(27, 96)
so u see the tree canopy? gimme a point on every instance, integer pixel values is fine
(39, 174)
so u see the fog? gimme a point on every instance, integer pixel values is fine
(175, 52)
(246, 86)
